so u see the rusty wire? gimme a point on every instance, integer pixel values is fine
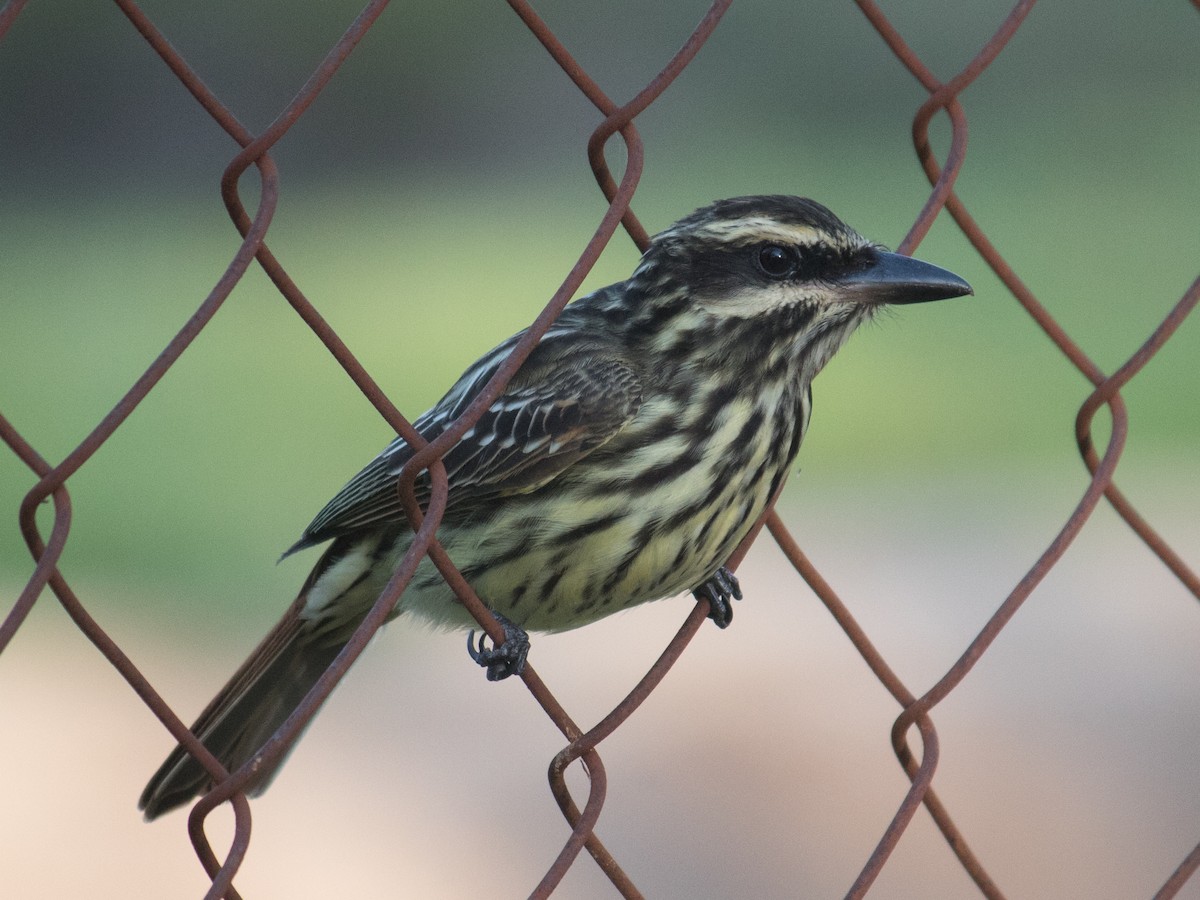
(919, 764)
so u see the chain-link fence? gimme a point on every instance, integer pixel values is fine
(914, 736)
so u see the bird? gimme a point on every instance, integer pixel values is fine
(626, 459)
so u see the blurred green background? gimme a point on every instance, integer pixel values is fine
(438, 191)
(435, 195)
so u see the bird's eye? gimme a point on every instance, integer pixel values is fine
(776, 261)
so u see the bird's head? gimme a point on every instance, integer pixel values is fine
(747, 256)
(776, 270)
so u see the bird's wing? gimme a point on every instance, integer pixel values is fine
(553, 413)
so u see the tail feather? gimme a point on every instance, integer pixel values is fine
(262, 693)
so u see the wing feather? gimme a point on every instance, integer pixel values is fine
(560, 407)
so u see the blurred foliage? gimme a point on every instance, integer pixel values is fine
(436, 194)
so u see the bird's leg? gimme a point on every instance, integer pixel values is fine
(719, 591)
(503, 659)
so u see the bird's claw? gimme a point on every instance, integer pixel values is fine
(719, 590)
(504, 659)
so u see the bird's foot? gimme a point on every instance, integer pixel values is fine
(503, 659)
(719, 591)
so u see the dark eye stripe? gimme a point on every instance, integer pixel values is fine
(807, 262)
(820, 262)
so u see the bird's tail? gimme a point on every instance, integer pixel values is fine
(258, 698)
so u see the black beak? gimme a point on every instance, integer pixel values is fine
(892, 278)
